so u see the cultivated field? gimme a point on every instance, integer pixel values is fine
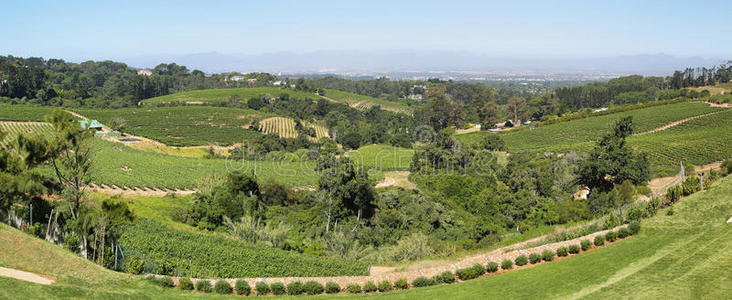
(382, 157)
(24, 112)
(285, 127)
(223, 95)
(365, 102)
(13, 129)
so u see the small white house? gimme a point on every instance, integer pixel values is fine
(236, 78)
(278, 83)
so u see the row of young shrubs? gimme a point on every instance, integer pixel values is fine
(242, 288)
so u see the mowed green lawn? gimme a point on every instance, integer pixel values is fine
(223, 95)
(382, 157)
(682, 256)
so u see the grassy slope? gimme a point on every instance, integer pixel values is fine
(363, 101)
(222, 95)
(23, 112)
(382, 157)
(680, 256)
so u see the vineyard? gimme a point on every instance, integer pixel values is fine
(13, 129)
(223, 95)
(567, 135)
(192, 254)
(382, 157)
(184, 125)
(24, 112)
(365, 102)
(285, 127)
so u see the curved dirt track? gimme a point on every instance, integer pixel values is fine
(674, 123)
(25, 276)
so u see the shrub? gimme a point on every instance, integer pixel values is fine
(134, 265)
(670, 211)
(562, 251)
(574, 249)
(242, 287)
(652, 207)
(599, 240)
(313, 287)
(635, 213)
(295, 288)
(385, 286)
(445, 277)
(521, 260)
(691, 185)
(278, 288)
(469, 273)
(203, 286)
(261, 287)
(422, 281)
(673, 194)
(585, 245)
(354, 288)
(222, 287)
(369, 287)
(401, 284)
(491, 267)
(547, 255)
(610, 236)
(633, 228)
(534, 258)
(185, 284)
(332, 287)
(623, 232)
(507, 264)
(165, 281)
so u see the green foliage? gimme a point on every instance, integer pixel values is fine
(184, 283)
(634, 227)
(242, 287)
(623, 232)
(422, 281)
(401, 284)
(534, 258)
(220, 96)
(445, 277)
(562, 251)
(165, 281)
(134, 265)
(354, 288)
(547, 255)
(385, 286)
(222, 287)
(673, 194)
(295, 288)
(574, 249)
(332, 287)
(313, 288)
(491, 267)
(278, 288)
(469, 273)
(382, 157)
(507, 264)
(209, 256)
(599, 240)
(370, 287)
(261, 287)
(203, 286)
(691, 185)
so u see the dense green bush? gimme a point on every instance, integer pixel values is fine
(242, 287)
(585, 245)
(385, 286)
(370, 287)
(332, 287)
(507, 264)
(313, 288)
(574, 249)
(295, 288)
(222, 287)
(214, 256)
(165, 281)
(634, 228)
(562, 251)
(278, 288)
(491, 267)
(422, 281)
(673, 194)
(635, 213)
(599, 240)
(521, 260)
(470, 273)
(354, 288)
(444, 277)
(134, 265)
(185, 284)
(691, 185)
(623, 232)
(203, 286)
(401, 284)
(261, 287)
(534, 258)
(610, 236)
(547, 255)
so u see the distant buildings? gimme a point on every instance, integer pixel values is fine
(144, 72)
(236, 78)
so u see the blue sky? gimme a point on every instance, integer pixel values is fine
(110, 29)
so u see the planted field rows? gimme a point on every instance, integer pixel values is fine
(223, 95)
(285, 127)
(364, 102)
(24, 113)
(13, 129)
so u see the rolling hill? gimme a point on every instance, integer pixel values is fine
(213, 96)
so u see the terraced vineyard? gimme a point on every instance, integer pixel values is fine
(285, 127)
(213, 96)
(185, 125)
(566, 135)
(365, 102)
(12, 129)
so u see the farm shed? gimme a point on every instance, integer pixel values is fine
(94, 124)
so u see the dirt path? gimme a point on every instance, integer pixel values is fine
(661, 184)
(396, 178)
(672, 124)
(26, 276)
(144, 191)
(76, 114)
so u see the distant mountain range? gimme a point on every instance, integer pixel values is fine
(344, 62)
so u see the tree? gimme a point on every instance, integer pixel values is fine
(344, 188)
(516, 108)
(489, 115)
(118, 124)
(441, 112)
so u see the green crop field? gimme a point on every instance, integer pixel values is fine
(10, 112)
(684, 255)
(223, 95)
(382, 157)
(365, 102)
(285, 127)
(565, 135)
(13, 129)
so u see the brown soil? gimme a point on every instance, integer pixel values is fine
(396, 178)
(26, 276)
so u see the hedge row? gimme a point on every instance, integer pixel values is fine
(314, 288)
